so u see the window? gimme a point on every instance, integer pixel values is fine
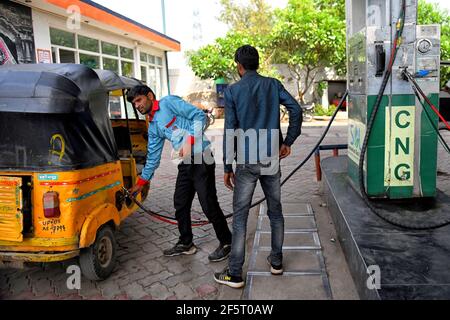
(70, 47)
(66, 56)
(111, 64)
(127, 68)
(62, 38)
(90, 60)
(151, 72)
(143, 57)
(126, 53)
(110, 49)
(88, 44)
(144, 74)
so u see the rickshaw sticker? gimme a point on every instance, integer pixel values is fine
(48, 177)
(67, 183)
(90, 194)
(57, 148)
(6, 208)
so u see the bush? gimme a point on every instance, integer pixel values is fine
(319, 110)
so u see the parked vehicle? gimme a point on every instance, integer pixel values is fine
(62, 168)
(307, 109)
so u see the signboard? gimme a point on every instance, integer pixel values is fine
(44, 56)
(399, 151)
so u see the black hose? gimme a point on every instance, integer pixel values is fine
(203, 222)
(435, 127)
(406, 222)
(341, 103)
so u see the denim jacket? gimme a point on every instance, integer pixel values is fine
(254, 103)
(173, 119)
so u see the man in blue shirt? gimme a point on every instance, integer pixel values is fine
(252, 119)
(182, 124)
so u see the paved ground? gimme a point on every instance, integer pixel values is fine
(144, 273)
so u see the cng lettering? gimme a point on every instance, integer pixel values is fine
(399, 151)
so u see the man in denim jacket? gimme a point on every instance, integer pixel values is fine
(252, 119)
(181, 123)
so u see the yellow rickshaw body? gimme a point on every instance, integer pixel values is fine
(70, 165)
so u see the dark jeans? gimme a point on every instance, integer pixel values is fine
(245, 182)
(198, 178)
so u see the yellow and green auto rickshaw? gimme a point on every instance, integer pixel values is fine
(64, 163)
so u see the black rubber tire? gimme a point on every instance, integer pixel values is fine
(90, 264)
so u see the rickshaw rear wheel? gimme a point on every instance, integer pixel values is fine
(98, 261)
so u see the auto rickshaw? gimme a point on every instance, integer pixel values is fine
(64, 164)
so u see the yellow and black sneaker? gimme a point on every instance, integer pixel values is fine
(227, 279)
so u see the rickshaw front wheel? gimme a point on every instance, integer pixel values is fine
(98, 261)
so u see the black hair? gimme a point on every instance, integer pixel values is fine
(248, 56)
(140, 90)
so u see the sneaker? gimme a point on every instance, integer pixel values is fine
(225, 278)
(275, 269)
(180, 249)
(221, 253)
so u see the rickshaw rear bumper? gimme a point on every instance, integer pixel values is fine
(37, 257)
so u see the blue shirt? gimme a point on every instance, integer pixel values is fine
(175, 120)
(254, 103)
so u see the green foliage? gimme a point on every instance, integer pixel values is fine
(308, 36)
(254, 18)
(320, 88)
(319, 110)
(431, 13)
(249, 24)
(217, 60)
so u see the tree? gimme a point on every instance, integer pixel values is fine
(255, 18)
(216, 60)
(429, 13)
(309, 36)
(250, 24)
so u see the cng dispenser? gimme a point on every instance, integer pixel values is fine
(401, 150)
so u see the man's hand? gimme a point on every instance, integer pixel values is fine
(285, 151)
(228, 180)
(137, 189)
(185, 151)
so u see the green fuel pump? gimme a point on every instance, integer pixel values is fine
(401, 154)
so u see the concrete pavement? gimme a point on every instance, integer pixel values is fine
(143, 272)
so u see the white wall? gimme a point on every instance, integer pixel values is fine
(41, 30)
(42, 21)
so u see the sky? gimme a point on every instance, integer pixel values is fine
(182, 15)
(179, 14)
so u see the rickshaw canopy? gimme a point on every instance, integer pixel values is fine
(112, 81)
(53, 117)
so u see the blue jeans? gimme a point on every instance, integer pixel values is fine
(245, 182)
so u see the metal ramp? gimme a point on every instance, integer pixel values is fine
(305, 276)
